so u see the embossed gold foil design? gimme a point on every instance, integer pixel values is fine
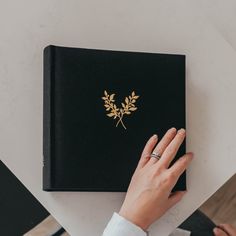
(128, 106)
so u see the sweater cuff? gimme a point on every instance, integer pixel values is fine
(118, 225)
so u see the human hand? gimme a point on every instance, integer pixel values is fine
(149, 193)
(225, 230)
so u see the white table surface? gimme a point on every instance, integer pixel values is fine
(204, 30)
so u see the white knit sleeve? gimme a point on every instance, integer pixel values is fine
(118, 226)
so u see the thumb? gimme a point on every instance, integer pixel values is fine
(219, 232)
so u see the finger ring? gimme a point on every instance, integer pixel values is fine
(156, 155)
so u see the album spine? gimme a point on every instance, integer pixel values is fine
(48, 91)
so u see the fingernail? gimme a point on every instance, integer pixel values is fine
(173, 129)
(154, 136)
(190, 155)
(216, 230)
(181, 131)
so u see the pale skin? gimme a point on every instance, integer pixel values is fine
(225, 230)
(149, 194)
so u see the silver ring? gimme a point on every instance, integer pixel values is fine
(156, 155)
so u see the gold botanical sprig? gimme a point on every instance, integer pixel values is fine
(127, 107)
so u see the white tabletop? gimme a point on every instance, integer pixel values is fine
(203, 30)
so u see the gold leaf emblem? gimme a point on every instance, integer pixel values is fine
(117, 113)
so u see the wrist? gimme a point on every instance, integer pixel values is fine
(139, 222)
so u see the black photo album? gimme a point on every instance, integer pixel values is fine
(99, 109)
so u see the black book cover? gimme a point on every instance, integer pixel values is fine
(100, 108)
(20, 210)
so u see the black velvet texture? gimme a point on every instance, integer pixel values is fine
(83, 148)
